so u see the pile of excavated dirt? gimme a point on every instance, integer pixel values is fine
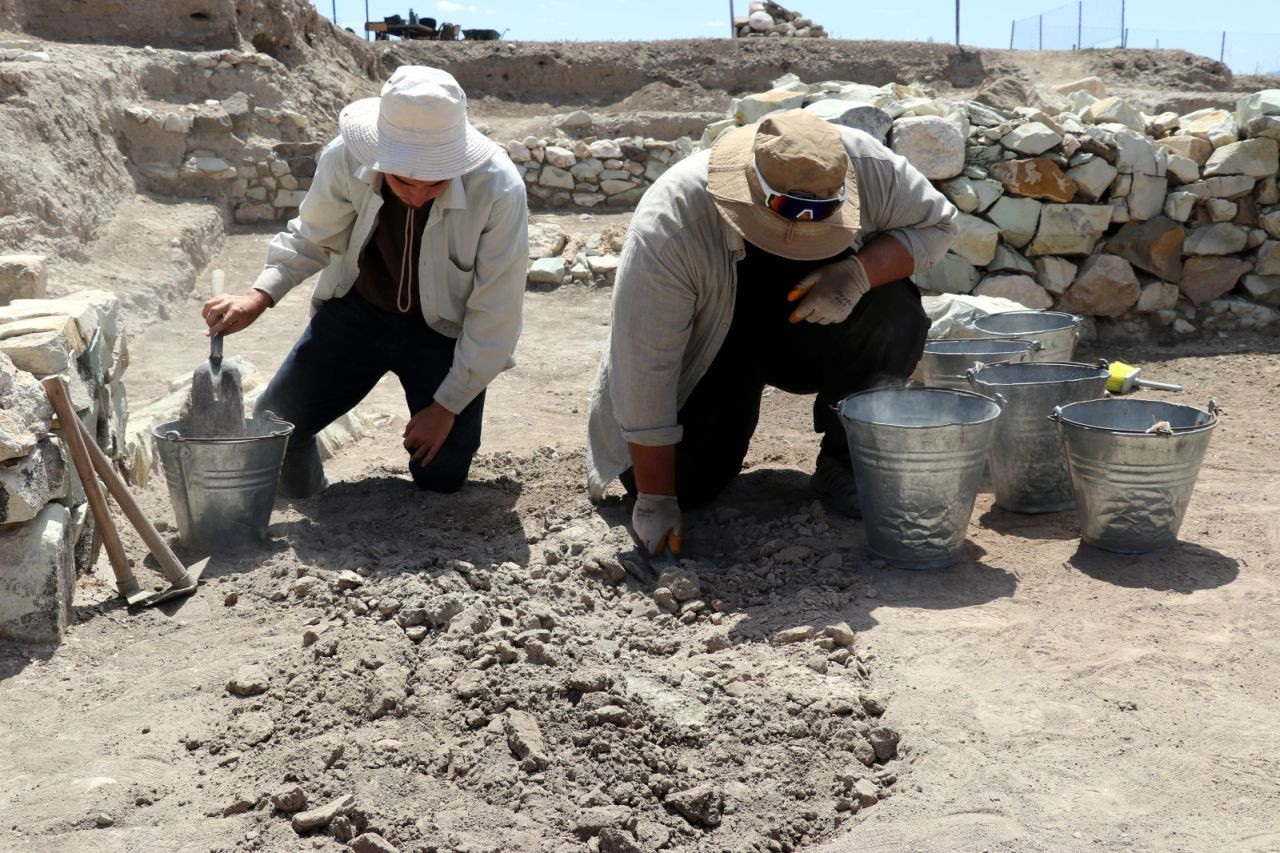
(513, 675)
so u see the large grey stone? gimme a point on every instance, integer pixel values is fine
(1222, 186)
(1266, 261)
(959, 191)
(1263, 103)
(1221, 238)
(1137, 154)
(22, 276)
(25, 413)
(1092, 178)
(1069, 229)
(1105, 287)
(975, 240)
(1182, 170)
(547, 271)
(1256, 158)
(1263, 288)
(987, 192)
(1270, 222)
(556, 177)
(1010, 261)
(1032, 138)
(1179, 206)
(1022, 289)
(1146, 196)
(1114, 110)
(1157, 296)
(1055, 274)
(931, 144)
(1017, 219)
(37, 575)
(29, 482)
(1216, 126)
(1205, 279)
(546, 240)
(952, 274)
(752, 108)
(1263, 127)
(1193, 148)
(871, 120)
(41, 353)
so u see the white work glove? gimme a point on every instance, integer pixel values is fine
(656, 521)
(830, 292)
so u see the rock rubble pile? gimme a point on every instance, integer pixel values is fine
(47, 533)
(769, 19)
(549, 689)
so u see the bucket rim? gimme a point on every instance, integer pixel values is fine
(839, 407)
(1030, 344)
(161, 432)
(1059, 415)
(1100, 372)
(1072, 320)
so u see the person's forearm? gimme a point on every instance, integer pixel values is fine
(885, 259)
(654, 468)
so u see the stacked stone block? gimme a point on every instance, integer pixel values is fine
(47, 533)
(1080, 202)
(591, 172)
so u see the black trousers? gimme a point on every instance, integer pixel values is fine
(348, 346)
(878, 344)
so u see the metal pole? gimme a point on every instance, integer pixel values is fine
(1222, 51)
(733, 31)
(1080, 25)
(1013, 26)
(957, 23)
(335, 13)
(1042, 32)
(1124, 33)
(366, 19)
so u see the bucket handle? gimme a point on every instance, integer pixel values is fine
(1056, 414)
(1036, 346)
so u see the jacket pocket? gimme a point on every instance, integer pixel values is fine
(459, 281)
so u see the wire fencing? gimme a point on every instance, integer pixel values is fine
(1091, 24)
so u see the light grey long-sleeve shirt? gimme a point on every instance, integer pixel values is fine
(677, 279)
(471, 269)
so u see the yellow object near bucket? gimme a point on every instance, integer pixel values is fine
(1125, 379)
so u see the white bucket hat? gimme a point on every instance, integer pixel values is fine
(417, 129)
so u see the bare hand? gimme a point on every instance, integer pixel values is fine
(230, 314)
(426, 431)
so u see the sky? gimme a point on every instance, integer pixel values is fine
(1250, 47)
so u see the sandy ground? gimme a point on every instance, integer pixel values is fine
(1049, 696)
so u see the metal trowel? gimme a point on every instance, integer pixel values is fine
(217, 393)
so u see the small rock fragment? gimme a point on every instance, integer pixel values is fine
(701, 805)
(290, 800)
(372, 842)
(524, 739)
(317, 818)
(250, 680)
(793, 635)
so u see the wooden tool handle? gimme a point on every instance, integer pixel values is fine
(217, 279)
(172, 567)
(56, 388)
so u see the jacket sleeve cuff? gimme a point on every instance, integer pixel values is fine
(656, 437)
(454, 395)
(273, 283)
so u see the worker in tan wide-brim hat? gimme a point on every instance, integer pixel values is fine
(418, 226)
(780, 257)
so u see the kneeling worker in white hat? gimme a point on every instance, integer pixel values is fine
(779, 257)
(418, 226)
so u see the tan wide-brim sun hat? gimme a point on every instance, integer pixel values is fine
(795, 151)
(417, 129)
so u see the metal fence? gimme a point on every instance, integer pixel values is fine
(1102, 23)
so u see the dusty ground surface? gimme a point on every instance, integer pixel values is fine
(1048, 696)
(497, 670)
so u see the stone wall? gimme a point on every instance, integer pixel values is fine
(588, 171)
(1074, 200)
(47, 532)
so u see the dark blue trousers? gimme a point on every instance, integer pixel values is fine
(347, 347)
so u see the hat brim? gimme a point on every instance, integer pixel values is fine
(731, 182)
(420, 157)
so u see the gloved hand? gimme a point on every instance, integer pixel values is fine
(656, 521)
(830, 292)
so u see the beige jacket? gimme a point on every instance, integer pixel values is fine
(677, 279)
(472, 268)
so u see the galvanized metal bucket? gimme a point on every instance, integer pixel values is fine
(1133, 467)
(1028, 468)
(944, 362)
(1057, 332)
(222, 489)
(918, 454)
